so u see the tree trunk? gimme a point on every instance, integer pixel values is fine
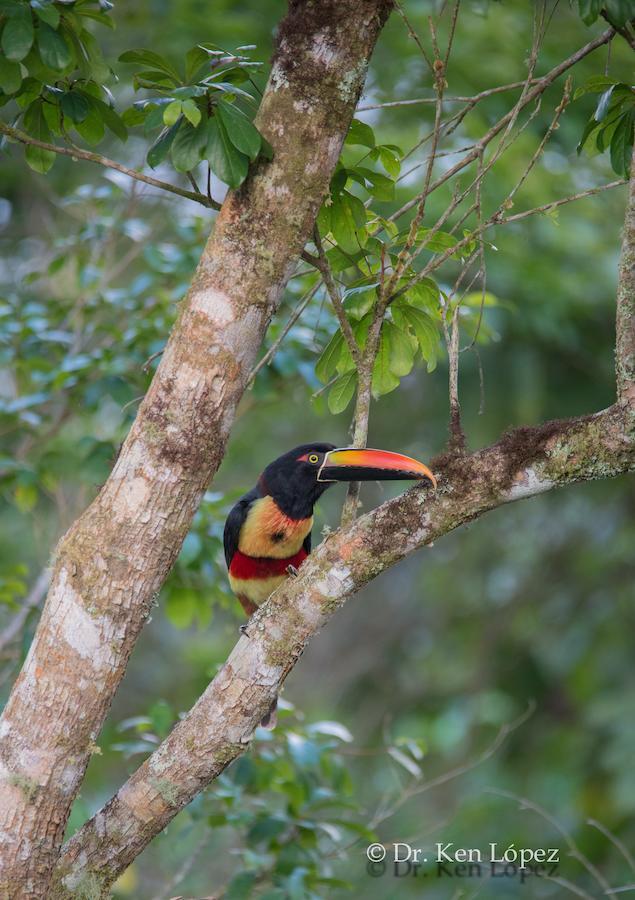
(114, 559)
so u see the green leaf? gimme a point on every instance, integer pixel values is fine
(342, 392)
(589, 10)
(361, 134)
(424, 328)
(424, 293)
(161, 147)
(603, 104)
(606, 131)
(149, 58)
(35, 124)
(359, 300)
(594, 85)
(54, 50)
(240, 887)
(25, 497)
(17, 37)
(361, 329)
(191, 112)
(47, 12)
(384, 380)
(136, 115)
(390, 161)
(92, 129)
(590, 127)
(348, 220)
(402, 353)
(75, 106)
(619, 12)
(228, 163)
(243, 135)
(438, 242)
(622, 145)
(172, 112)
(382, 188)
(188, 146)
(324, 219)
(195, 59)
(89, 56)
(10, 76)
(111, 118)
(326, 365)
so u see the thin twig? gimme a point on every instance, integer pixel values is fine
(473, 100)
(293, 318)
(30, 602)
(413, 34)
(540, 86)
(76, 153)
(617, 843)
(499, 219)
(405, 257)
(336, 300)
(418, 789)
(547, 207)
(146, 366)
(574, 850)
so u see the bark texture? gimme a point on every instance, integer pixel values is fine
(625, 319)
(113, 560)
(525, 462)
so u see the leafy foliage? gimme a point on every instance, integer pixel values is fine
(54, 71)
(613, 123)
(617, 12)
(198, 114)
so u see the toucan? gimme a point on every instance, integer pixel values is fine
(268, 531)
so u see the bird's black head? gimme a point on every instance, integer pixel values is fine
(292, 479)
(297, 479)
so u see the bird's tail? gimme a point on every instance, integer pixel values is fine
(271, 719)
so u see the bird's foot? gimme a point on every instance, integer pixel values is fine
(243, 629)
(292, 571)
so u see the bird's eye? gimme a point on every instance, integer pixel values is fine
(313, 457)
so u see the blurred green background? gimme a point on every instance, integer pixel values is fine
(529, 610)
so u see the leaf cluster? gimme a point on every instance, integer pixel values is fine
(198, 115)
(612, 125)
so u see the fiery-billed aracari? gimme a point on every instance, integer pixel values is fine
(268, 531)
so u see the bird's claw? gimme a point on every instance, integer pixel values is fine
(243, 629)
(292, 571)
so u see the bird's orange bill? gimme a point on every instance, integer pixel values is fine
(348, 464)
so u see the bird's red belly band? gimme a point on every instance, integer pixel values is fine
(248, 567)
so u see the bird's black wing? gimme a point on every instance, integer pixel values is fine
(234, 523)
(307, 543)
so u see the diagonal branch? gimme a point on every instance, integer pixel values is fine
(525, 462)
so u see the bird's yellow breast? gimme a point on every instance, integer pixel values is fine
(268, 532)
